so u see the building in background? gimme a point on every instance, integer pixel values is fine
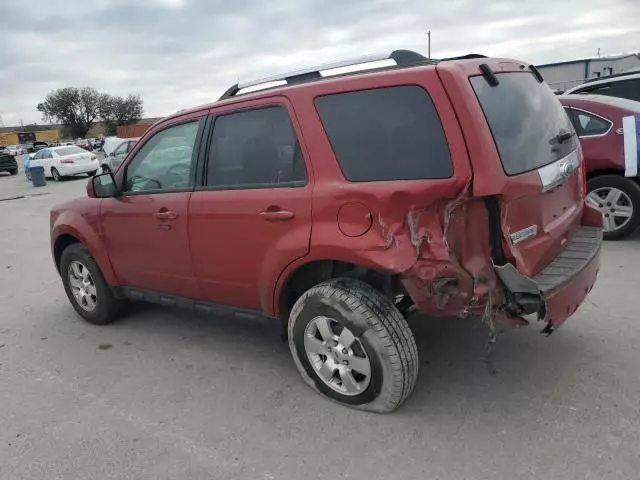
(565, 75)
(137, 129)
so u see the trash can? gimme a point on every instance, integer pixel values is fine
(37, 176)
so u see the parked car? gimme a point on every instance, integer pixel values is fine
(84, 144)
(598, 122)
(111, 162)
(8, 162)
(37, 146)
(14, 150)
(110, 144)
(64, 161)
(623, 85)
(342, 232)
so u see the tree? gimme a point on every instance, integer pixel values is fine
(75, 108)
(116, 111)
(79, 108)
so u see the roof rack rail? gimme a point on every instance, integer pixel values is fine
(402, 58)
(465, 57)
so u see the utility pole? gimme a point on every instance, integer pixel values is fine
(598, 53)
(429, 43)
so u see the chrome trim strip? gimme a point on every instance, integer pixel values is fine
(557, 172)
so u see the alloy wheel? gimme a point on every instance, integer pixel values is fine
(337, 356)
(615, 205)
(82, 286)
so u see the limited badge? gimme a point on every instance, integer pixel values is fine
(523, 234)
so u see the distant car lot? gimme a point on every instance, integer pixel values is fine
(175, 394)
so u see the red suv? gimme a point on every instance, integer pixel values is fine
(340, 203)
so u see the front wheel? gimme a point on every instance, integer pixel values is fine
(87, 290)
(27, 173)
(351, 344)
(106, 169)
(14, 171)
(92, 173)
(618, 199)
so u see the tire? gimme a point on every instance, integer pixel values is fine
(27, 174)
(14, 171)
(598, 189)
(55, 175)
(106, 169)
(92, 173)
(381, 335)
(106, 306)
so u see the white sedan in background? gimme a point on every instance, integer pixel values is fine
(60, 162)
(14, 150)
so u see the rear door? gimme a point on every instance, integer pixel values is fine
(252, 215)
(526, 157)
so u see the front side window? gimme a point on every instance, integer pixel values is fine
(121, 150)
(588, 124)
(164, 162)
(254, 148)
(389, 133)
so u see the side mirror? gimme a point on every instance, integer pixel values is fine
(102, 186)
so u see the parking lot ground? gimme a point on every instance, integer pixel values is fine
(169, 394)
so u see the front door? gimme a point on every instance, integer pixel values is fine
(253, 216)
(146, 228)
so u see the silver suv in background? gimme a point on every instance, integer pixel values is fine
(623, 85)
(114, 159)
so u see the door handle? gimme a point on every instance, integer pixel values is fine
(165, 215)
(277, 215)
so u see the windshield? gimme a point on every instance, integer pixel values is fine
(528, 123)
(69, 151)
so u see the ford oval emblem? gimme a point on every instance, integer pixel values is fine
(566, 169)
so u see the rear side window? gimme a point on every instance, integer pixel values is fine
(389, 133)
(529, 126)
(255, 148)
(588, 124)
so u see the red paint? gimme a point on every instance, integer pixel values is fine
(354, 219)
(603, 152)
(239, 247)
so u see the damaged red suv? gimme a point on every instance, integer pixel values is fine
(341, 202)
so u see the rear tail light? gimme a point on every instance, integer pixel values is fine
(66, 161)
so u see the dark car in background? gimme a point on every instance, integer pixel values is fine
(598, 123)
(8, 162)
(37, 146)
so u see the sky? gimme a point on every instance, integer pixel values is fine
(182, 53)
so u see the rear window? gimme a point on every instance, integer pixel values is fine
(386, 134)
(526, 120)
(69, 151)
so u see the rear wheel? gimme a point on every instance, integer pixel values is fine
(106, 169)
(618, 199)
(14, 171)
(92, 173)
(55, 175)
(351, 344)
(86, 288)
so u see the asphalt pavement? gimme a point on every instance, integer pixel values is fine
(170, 394)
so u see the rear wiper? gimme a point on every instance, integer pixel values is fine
(564, 136)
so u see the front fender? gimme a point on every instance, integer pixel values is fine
(84, 225)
